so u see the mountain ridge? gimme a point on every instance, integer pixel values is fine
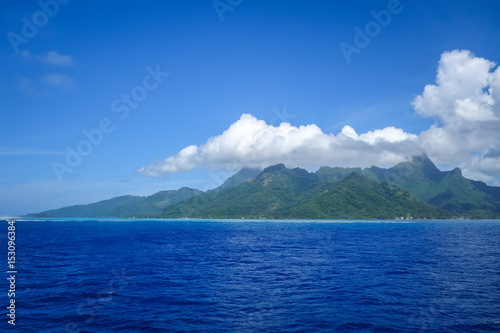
(124, 206)
(279, 192)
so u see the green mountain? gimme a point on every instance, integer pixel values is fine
(414, 188)
(279, 192)
(125, 206)
(357, 197)
(238, 178)
(273, 188)
(334, 174)
(150, 206)
(444, 189)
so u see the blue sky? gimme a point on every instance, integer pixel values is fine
(184, 93)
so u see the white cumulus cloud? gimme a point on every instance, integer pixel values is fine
(464, 101)
(251, 142)
(462, 89)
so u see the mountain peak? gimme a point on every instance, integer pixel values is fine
(418, 166)
(331, 192)
(273, 168)
(238, 178)
(419, 157)
(457, 172)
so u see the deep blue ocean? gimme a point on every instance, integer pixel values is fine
(254, 276)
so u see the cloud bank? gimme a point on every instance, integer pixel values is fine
(253, 143)
(464, 101)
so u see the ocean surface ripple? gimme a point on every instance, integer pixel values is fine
(213, 276)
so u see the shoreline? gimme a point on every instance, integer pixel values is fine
(201, 220)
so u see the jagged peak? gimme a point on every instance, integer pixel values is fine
(457, 172)
(419, 157)
(419, 163)
(272, 168)
(185, 188)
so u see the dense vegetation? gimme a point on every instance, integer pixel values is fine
(414, 189)
(125, 206)
(283, 193)
(443, 189)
